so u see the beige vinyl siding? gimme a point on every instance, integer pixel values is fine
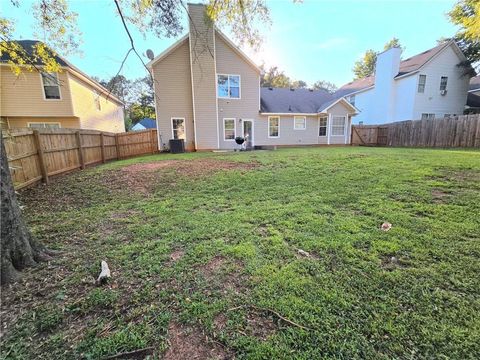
(247, 107)
(202, 57)
(173, 94)
(288, 136)
(340, 110)
(23, 95)
(22, 122)
(108, 118)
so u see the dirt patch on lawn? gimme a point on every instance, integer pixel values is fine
(224, 275)
(440, 197)
(190, 343)
(176, 255)
(393, 262)
(144, 178)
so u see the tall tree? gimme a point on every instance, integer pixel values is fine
(466, 15)
(325, 85)
(366, 65)
(273, 77)
(58, 27)
(298, 84)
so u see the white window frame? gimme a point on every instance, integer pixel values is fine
(184, 127)
(43, 86)
(446, 82)
(278, 127)
(45, 123)
(304, 122)
(424, 84)
(320, 125)
(344, 125)
(234, 129)
(228, 87)
(96, 100)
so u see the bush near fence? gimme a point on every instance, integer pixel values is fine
(455, 131)
(36, 155)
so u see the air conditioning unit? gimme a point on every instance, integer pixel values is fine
(443, 92)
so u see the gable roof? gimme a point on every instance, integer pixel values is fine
(474, 83)
(296, 101)
(29, 45)
(186, 37)
(148, 123)
(407, 67)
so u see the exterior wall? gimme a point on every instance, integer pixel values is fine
(364, 102)
(173, 75)
(23, 95)
(22, 122)
(108, 118)
(405, 90)
(309, 136)
(247, 107)
(204, 84)
(445, 64)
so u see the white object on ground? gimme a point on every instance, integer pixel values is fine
(104, 274)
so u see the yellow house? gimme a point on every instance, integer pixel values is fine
(68, 99)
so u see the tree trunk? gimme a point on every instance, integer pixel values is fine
(19, 248)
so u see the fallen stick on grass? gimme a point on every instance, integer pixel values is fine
(274, 313)
(128, 355)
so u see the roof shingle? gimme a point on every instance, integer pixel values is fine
(295, 101)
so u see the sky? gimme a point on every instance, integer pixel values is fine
(310, 41)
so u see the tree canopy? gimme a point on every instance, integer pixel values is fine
(366, 65)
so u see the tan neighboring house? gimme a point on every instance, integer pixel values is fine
(207, 92)
(68, 99)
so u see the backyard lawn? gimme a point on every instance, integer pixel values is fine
(205, 260)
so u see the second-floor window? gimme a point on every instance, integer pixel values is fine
(422, 80)
(428, 116)
(96, 100)
(228, 86)
(443, 83)
(51, 87)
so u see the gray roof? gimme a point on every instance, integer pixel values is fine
(148, 123)
(28, 46)
(301, 101)
(475, 83)
(407, 66)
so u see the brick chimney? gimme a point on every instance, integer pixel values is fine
(204, 87)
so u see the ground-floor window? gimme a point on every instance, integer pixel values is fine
(45, 125)
(178, 128)
(229, 129)
(273, 126)
(338, 126)
(299, 122)
(322, 130)
(428, 116)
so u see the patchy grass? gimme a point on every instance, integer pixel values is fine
(205, 256)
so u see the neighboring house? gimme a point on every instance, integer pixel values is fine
(211, 94)
(144, 124)
(425, 86)
(473, 99)
(68, 99)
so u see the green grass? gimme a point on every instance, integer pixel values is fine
(237, 234)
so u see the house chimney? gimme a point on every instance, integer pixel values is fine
(202, 60)
(386, 68)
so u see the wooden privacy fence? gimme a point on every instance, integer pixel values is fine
(36, 155)
(454, 131)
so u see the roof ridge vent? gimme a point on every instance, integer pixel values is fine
(270, 88)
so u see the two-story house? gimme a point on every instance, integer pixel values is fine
(67, 99)
(207, 92)
(425, 86)
(473, 99)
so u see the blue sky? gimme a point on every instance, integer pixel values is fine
(314, 40)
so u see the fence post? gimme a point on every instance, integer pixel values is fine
(152, 142)
(80, 150)
(41, 158)
(117, 146)
(102, 147)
